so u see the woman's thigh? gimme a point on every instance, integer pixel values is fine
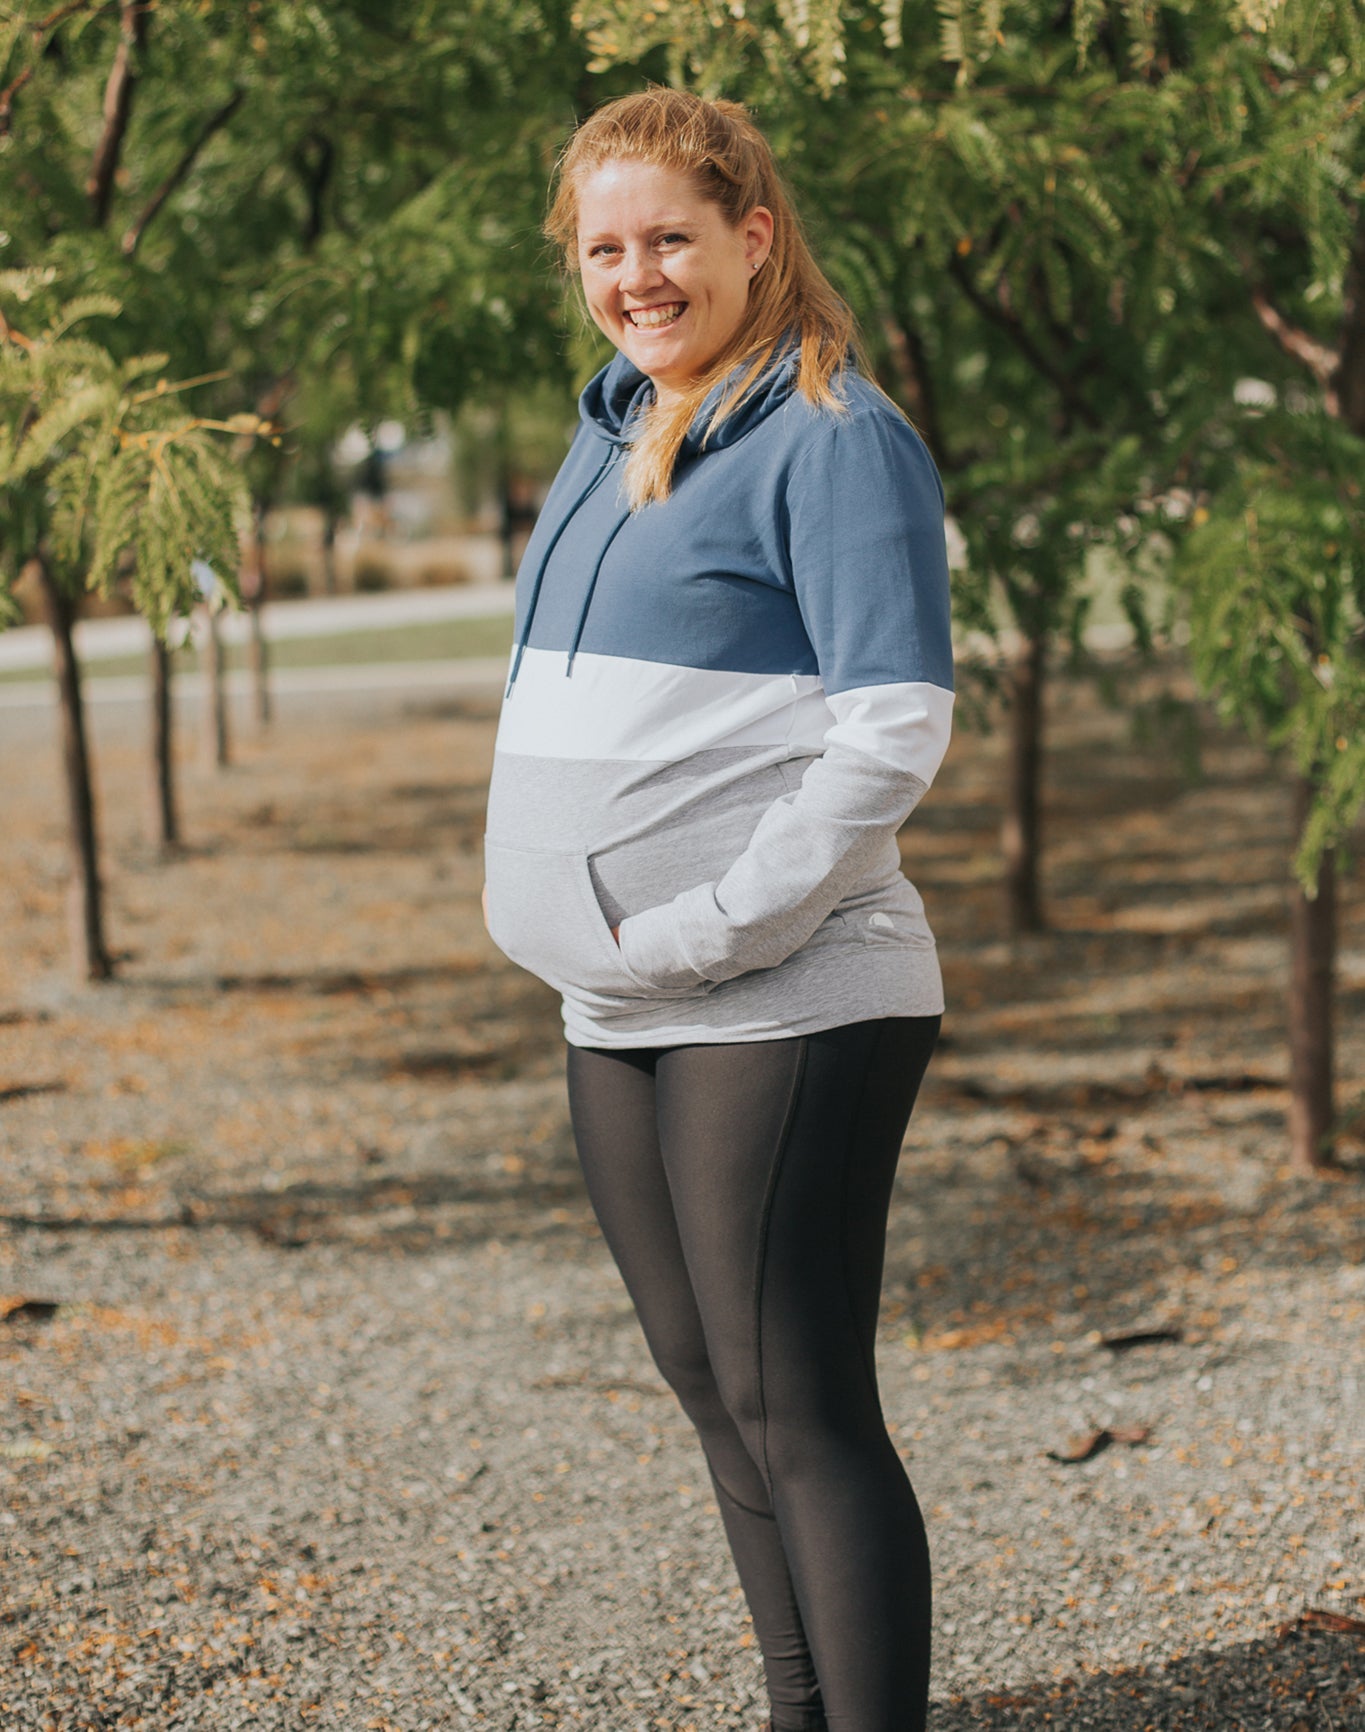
(612, 1104)
(743, 1189)
(780, 1157)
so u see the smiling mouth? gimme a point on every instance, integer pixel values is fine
(655, 318)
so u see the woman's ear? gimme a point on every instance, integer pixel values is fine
(758, 235)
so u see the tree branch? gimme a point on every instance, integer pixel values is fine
(911, 365)
(7, 96)
(118, 104)
(1013, 327)
(8, 334)
(316, 173)
(215, 123)
(53, 19)
(1320, 361)
(37, 30)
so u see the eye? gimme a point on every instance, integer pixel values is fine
(673, 239)
(600, 249)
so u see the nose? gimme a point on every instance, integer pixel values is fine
(639, 271)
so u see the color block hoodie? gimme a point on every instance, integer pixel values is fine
(719, 711)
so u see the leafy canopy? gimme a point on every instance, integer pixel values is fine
(101, 463)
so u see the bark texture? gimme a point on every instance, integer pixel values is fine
(1312, 984)
(253, 585)
(165, 822)
(1021, 832)
(85, 905)
(215, 737)
(258, 659)
(118, 107)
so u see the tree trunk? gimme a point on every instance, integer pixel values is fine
(165, 825)
(214, 745)
(507, 521)
(329, 552)
(258, 657)
(85, 903)
(914, 381)
(1312, 937)
(1021, 832)
(252, 582)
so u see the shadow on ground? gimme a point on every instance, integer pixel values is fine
(1300, 1680)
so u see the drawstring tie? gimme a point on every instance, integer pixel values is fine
(587, 599)
(564, 522)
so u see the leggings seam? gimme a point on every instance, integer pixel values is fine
(855, 1143)
(783, 1137)
(765, 1515)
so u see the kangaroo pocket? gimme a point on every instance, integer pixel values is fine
(543, 914)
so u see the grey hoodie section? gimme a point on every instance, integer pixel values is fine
(836, 934)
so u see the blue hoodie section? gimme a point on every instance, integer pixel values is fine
(769, 512)
(719, 711)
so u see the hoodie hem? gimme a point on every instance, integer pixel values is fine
(854, 984)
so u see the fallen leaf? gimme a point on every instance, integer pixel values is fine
(1319, 1618)
(20, 1310)
(21, 1091)
(1092, 1442)
(1138, 1338)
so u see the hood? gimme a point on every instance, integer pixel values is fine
(614, 399)
(609, 407)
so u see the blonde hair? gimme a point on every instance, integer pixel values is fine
(732, 165)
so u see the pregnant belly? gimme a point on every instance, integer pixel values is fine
(546, 914)
(642, 873)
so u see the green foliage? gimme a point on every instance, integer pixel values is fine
(101, 466)
(1070, 235)
(335, 207)
(1274, 568)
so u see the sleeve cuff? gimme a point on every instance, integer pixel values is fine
(660, 946)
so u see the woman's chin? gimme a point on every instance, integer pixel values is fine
(656, 353)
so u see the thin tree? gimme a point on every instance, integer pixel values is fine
(99, 460)
(1275, 560)
(162, 806)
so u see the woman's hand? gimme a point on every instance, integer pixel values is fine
(483, 898)
(616, 934)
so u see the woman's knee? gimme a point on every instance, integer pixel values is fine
(687, 1371)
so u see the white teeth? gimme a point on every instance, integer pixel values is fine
(650, 318)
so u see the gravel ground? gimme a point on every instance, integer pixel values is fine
(324, 1406)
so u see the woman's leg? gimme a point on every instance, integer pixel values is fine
(750, 1233)
(613, 1107)
(780, 1158)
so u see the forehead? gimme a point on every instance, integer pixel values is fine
(624, 193)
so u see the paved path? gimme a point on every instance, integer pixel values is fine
(456, 673)
(324, 616)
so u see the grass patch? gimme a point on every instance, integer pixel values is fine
(441, 640)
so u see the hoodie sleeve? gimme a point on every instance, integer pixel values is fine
(868, 565)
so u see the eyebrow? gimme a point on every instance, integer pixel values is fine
(665, 223)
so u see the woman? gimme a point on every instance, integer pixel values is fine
(732, 682)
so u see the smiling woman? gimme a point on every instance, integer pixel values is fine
(665, 276)
(731, 684)
(713, 232)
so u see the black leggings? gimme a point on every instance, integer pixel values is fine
(743, 1190)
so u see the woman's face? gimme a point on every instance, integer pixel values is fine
(665, 275)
